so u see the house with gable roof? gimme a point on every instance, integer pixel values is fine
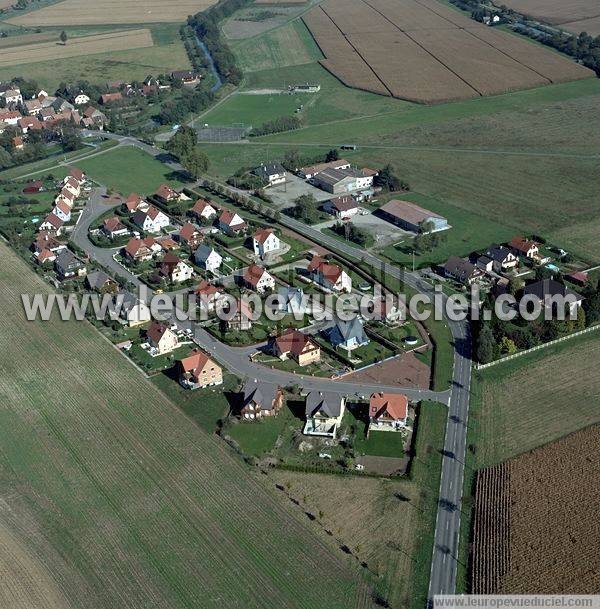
(388, 411)
(324, 412)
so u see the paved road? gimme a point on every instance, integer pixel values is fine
(448, 521)
(234, 359)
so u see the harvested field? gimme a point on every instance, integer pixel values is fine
(76, 47)
(112, 497)
(591, 26)
(424, 51)
(534, 515)
(100, 12)
(555, 11)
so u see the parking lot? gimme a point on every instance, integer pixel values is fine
(283, 195)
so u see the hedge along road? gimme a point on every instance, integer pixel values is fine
(445, 550)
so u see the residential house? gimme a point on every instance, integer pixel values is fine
(231, 223)
(347, 334)
(175, 269)
(260, 399)
(270, 173)
(265, 242)
(197, 370)
(485, 263)
(203, 210)
(524, 247)
(388, 411)
(44, 240)
(68, 265)
(111, 98)
(46, 114)
(579, 277)
(300, 347)
(550, 292)
(10, 117)
(386, 310)
(256, 278)
(462, 270)
(94, 117)
(238, 316)
(167, 244)
(76, 173)
(63, 211)
(161, 338)
(330, 276)
(139, 250)
(135, 202)
(291, 300)
(60, 105)
(101, 282)
(29, 123)
(343, 208)
(503, 258)
(312, 170)
(152, 220)
(66, 196)
(52, 223)
(45, 256)
(187, 77)
(189, 235)
(17, 143)
(72, 185)
(133, 311)
(12, 97)
(208, 258)
(412, 217)
(324, 412)
(209, 296)
(33, 106)
(166, 194)
(113, 227)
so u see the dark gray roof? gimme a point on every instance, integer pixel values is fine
(498, 253)
(203, 252)
(548, 288)
(129, 300)
(269, 169)
(67, 258)
(327, 402)
(459, 267)
(97, 279)
(263, 394)
(351, 329)
(287, 295)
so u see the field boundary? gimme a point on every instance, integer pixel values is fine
(533, 349)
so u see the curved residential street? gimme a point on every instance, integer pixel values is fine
(445, 550)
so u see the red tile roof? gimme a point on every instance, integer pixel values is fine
(113, 224)
(133, 200)
(188, 231)
(390, 405)
(521, 244)
(77, 174)
(54, 220)
(253, 274)
(156, 331)
(331, 272)
(166, 192)
(206, 289)
(344, 203)
(63, 207)
(293, 341)
(263, 234)
(195, 362)
(200, 205)
(227, 218)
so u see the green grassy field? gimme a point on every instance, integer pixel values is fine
(129, 170)
(526, 161)
(167, 54)
(528, 402)
(381, 444)
(113, 497)
(288, 45)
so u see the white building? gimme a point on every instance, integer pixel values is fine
(152, 220)
(265, 241)
(208, 258)
(82, 99)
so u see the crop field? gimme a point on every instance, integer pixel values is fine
(534, 515)
(280, 2)
(113, 497)
(367, 42)
(556, 11)
(24, 39)
(358, 512)
(84, 12)
(591, 26)
(76, 47)
(288, 45)
(165, 52)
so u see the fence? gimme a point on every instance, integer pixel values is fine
(549, 344)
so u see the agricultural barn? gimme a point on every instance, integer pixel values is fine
(312, 170)
(340, 181)
(411, 217)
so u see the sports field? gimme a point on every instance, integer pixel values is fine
(76, 47)
(84, 12)
(128, 169)
(112, 497)
(427, 52)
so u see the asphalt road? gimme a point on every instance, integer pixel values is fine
(448, 521)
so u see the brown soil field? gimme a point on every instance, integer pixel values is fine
(426, 52)
(480, 65)
(408, 371)
(76, 47)
(99, 12)
(555, 11)
(6, 3)
(536, 529)
(591, 26)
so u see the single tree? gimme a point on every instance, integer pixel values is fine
(63, 37)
